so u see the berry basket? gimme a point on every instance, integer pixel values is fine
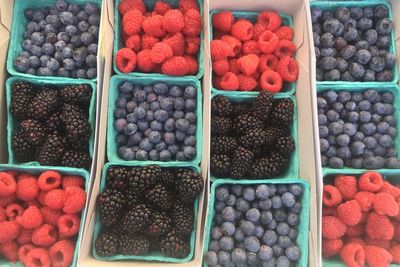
(287, 88)
(19, 23)
(331, 5)
(57, 83)
(112, 152)
(154, 256)
(64, 171)
(293, 170)
(302, 238)
(149, 5)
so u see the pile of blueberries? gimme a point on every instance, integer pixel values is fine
(255, 225)
(60, 41)
(352, 44)
(357, 129)
(156, 122)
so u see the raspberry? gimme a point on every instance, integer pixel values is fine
(353, 255)
(356, 240)
(192, 45)
(10, 251)
(3, 214)
(31, 218)
(173, 21)
(390, 189)
(73, 181)
(326, 211)
(25, 236)
(271, 81)
(185, 5)
(270, 19)
(74, 199)
(248, 64)
(268, 42)
(55, 199)
(5, 201)
(41, 197)
(333, 227)
(62, 253)
(242, 30)
(27, 189)
(355, 230)
(246, 83)
(49, 180)
(331, 247)
(177, 43)
(234, 43)
(161, 7)
(347, 186)
(223, 21)
(133, 42)
(132, 22)
(68, 225)
(7, 184)
(37, 257)
(161, 52)
(385, 204)
(9, 231)
(126, 5)
(229, 82)
(175, 66)
(285, 48)
(349, 212)
(144, 62)
(386, 244)
(377, 257)
(250, 47)
(125, 60)
(364, 199)
(379, 227)
(233, 66)
(44, 236)
(192, 65)
(220, 50)
(23, 176)
(13, 210)
(220, 67)
(267, 62)
(148, 41)
(285, 32)
(331, 196)
(51, 216)
(258, 29)
(154, 26)
(370, 181)
(23, 251)
(395, 252)
(288, 69)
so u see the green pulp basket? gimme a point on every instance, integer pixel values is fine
(154, 256)
(64, 171)
(383, 87)
(302, 228)
(11, 122)
(293, 170)
(18, 27)
(118, 42)
(332, 5)
(287, 88)
(112, 150)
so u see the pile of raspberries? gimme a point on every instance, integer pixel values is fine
(165, 40)
(40, 217)
(361, 220)
(249, 56)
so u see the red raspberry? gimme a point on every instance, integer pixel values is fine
(3, 214)
(9, 231)
(132, 22)
(62, 253)
(248, 64)
(177, 43)
(390, 189)
(125, 60)
(10, 251)
(395, 252)
(13, 210)
(5, 201)
(220, 67)
(347, 186)
(288, 69)
(51, 216)
(326, 211)
(68, 225)
(364, 199)
(331, 196)
(242, 30)
(7, 184)
(233, 66)
(74, 199)
(134, 43)
(246, 83)
(31, 218)
(271, 81)
(192, 45)
(285, 32)
(44, 236)
(386, 244)
(333, 227)
(173, 21)
(193, 25)
(258, 29)
(23, 251)
(385, 204)
(27, 189)
(148, 41)
(161, 52)
(161, 7)
(23, 176)
(144, 62)
(353, 255)
(229, 82)
(285, 48)
(49, 180)
(267, 62)
(175, 66)
(370, 181)
(234, 43)
(73, 181)
(55, 199)
(379, 227)
(331, 247)
(268, 42)
(25, 236)
(356, 240)
(126, 5)
(37, 257)
(192, 65)
(154, 26)
(377, 257)
(185, 5)
(250, 47)
(41, 196)
(270, 19)
(349, 212)
(223, 21)
(355, 230)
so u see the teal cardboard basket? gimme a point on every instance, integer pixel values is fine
(112, 150)
(293, 170)
(19, 22)
(153, 256)
(302, 227)
(383, 87)
(118, 41)
(36, 170)
(332, 5)
(287, 88)
(11, 122)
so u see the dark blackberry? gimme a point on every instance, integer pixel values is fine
(132, 197)
(110, 203)
(131, 244)
(271, 135)
(183, 219)
(76, 159)
(221, 106)
(167, 177)
(81, 145)
(25, 88)
(221, 125)
(253, 138)
(243, 123)
(155, 243)
(241, 109)
(45, 103)
(282, 130)
(285, 145)
(77, 94)
(136, 219)
(262, 106)
(268, 167)
(241, 162)
(220, 165)
(116, 229)
(52, 150)
(22, 94)
(76, 123)
(33, 131)
(23, 150)
(117, 177)
(160, 224)
(188, 184)
(282, 113)
(223, 144)
(160, 197)
(143, 178)
(55, 123)
(174, 246)
(107, 244)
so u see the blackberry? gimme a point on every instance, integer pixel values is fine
(188, 184)
(33, 131)
(285, 145)
(54, 123)
(136, 219)
(268, 167)
(107, 244)
(174, 246)
(22, 94)
(167, 177)
(25, 88)
(160, 197)
(76, 159)
(77, 94)
(241, 109)
(220, 165)
(45, 103)
(116, 229)
(243, 123)
(282, 113)
(160, 224)
(52, 150)
(223, 144)
(221, 125)
(23, 150)
(262, 106)
(132, 198)
(117, 177)
(134, 244)
(221, 106)
(110, 203)
(80, 145)
(77, 126)
(253, 138)
(183, 219)
(155, 243)
(241, 162)
(271, 135)
(143, 178)
(280, 130)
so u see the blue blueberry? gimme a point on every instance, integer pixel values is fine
(392, 132)
(211, 258)
(252, 243)
(293, 219)
(284, 241)
(249, 193)
(238, 256)
(180, 136)
(224, 257)
(336, 128)
(126, 153)
(253, 215)
(192, 129)
(282, 261)
(190, 141)
(160, 88)
(332, 115)
(247, 227)
(165, 155)
(229, 214)
(386, 141)
(365, 116)
(189, 152)
(190, 105)
(161, 115)
(276, 202)
(239, 235)
(336, 163)
(288, 199)
(242, 204)
(376, 162)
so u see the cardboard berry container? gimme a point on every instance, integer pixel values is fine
(19, 22)
(36, 170)
(118, 41)
(302, 227)
(153, 256)
(112, 149)
(12, 122)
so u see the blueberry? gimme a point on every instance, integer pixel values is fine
(276, 202)
(292, 233)
(190, 152)
(238, 256)
(190, 105)
(331, 25)
(190, 141)
(327, 40)
(282, 261)
(373, 162)
(160, 88)
(265, 253)
(224, 257)
(174, 149)
(322, 120)
(323, 131)
(161, 115)
(284, 241)
(356, 70)
(332, 75)
(348, 52)
(340, 42)
(249, 193)
(266, 217)
(327, 63)
(190, 92)
(390, 60)
(346, 76)
(392, 163)
(386, 141)
(350, 34)
(154, 154)
(342, 64)
(211, 258)
(247, 227)
(253, 215)
(316, 13)
(330, 96)
(336, 163)
(365, 116)
(271, 225)
(252, 243)
(229, 214)
(336, 128)
(126, 153)
(384, 26)
(92, 48)
(328, 52)
(368, 128)
(242, 204)
(377, 63)
(231, 201)
(165, 155)
(342, 14)
(385, 76)
(364, 24)
(369, 76)
(180, 136)
(216, 233)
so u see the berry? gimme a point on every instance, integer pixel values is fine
(267, 62)
(365, 200)
(347, 186)
(62, 253)
(223, 21)
(375, 256)
(333, 227)
(349, 212)
(385, 204)
(370, 181)
(154, 26)
(37, 257)
(45, 235)
(54, 199)
(175, 66)
(174, 246)
(173, 21)
(268, 42)
(7, 184)
(220, 50)
(271, 81)
(288, 69)
(68, 225)
(74, 199)
(331, 247)
(107, 244)
(27, 189)
(31, 218)
(379, 227)
(49, 180)
(285, 48)
(9, 231)
(248, 64)
(126, 60)
(193, 23)
(353, 254)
